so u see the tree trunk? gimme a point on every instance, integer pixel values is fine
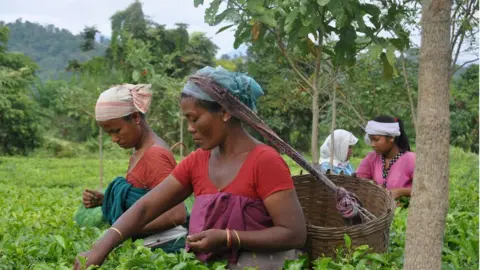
(315, 119)
(315, 96)
(428, 208)
(334, 120)
(100, 150)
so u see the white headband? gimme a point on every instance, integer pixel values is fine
(384, 129)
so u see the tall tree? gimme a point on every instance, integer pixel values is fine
(132, 19)
(140, 45)
(464, 110)
(428, 207)
(313, 31)
(19, 128)
(464, 30)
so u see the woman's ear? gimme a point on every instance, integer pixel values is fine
(226, 116)
(136, 118)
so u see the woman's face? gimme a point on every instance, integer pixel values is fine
(381, 144)
(350, 152)
(125, 133)
(208, 129)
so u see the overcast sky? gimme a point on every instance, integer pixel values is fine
(75, 14)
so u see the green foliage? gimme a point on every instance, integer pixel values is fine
(140, 46)
(318, 39)
(141, 51)
(364, 94)
(460, 249)
(50, 47)
(285, 106)
(464, 110)
(49, 191)
(337, 28)
(19, 132)
(88, 36)
(131, 20)
(164, 56)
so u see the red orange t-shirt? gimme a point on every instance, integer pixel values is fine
(263, 173)
(153, 167)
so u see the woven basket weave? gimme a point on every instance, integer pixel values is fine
(326, 227)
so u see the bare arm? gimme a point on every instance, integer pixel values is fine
(289, 230)
(170, 219)
(399, 192)
(163, 197)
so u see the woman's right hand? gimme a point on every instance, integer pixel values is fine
(92, 258)
(92, 198)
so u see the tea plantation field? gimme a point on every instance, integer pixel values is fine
(38, 197)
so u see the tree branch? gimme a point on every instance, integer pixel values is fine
(292, 64)
(283, 51)
(461, 31)
(303, 86)
(464, 64)
(353, 120)
(323, 106)
(318, 60)
(303, 62)
(88, 113)
(457, 53)
(349, 105)
(368, 44)
(453, 25)
(337, 76)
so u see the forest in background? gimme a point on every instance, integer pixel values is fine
(50, 79)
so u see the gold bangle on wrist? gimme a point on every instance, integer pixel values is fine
(238, 239)
(229, 239)
(118, 231)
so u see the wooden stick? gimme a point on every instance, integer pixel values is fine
(100, 148)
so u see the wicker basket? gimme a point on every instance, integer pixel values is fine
(326, 227)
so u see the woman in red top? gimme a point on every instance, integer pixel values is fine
(246, 209)
(120, 112)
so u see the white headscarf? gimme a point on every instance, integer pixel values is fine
(383, 129)
(342, 141)
(122, 100)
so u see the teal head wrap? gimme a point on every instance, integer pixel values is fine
(245, 88)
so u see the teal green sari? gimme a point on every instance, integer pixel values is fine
(118, 198)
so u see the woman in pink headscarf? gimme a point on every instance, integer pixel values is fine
(120, 112)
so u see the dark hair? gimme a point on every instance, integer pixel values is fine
(210, 106)
(129, 117)
(402, 140)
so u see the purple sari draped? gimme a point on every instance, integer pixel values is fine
(226, 211)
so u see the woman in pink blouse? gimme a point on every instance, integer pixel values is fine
(391, 164)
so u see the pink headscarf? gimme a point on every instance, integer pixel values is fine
(122, 100)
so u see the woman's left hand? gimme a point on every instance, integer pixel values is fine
(395, 193)
(208, 240)
(399, 192)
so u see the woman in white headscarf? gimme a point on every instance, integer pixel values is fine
(342, 150)
(391, 164)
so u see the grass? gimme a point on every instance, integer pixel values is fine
(38, 197)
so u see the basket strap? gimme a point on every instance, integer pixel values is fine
(347, 203)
